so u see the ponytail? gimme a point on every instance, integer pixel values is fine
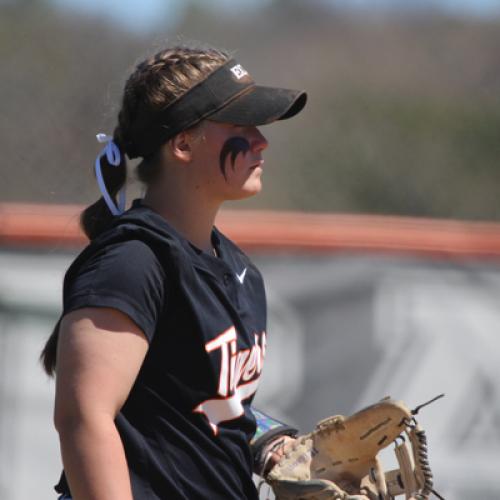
(48, 355)
(111, 173)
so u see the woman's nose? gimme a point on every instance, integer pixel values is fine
(259, 142)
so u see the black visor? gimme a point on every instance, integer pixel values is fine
(227, 95)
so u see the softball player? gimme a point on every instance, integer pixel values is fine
(163, 333)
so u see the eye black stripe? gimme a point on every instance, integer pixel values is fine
(233, 146)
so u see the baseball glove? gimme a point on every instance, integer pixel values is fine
(339, 461)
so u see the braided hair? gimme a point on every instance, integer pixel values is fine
(153, 85)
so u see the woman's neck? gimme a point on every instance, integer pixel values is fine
(187, 212)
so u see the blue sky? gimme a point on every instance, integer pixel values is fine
(143, 15)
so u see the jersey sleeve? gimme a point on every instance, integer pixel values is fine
(126, 276)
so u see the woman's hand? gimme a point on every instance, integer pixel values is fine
(276, 450)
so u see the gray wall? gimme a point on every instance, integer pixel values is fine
(344, 331)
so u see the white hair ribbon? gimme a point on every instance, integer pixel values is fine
(114, 158)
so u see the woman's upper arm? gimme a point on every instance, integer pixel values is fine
(100, 352)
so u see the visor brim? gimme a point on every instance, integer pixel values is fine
(260, 106)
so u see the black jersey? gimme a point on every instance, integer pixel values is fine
(187, 421)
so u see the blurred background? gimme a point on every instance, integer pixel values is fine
(402, 124)
(404, 107)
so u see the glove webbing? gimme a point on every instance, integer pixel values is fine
(407, 469)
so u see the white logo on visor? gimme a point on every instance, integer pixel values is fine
(238, 71)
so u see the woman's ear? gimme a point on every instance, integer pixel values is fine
(181, 147)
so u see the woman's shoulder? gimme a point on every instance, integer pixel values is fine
(137, 235)
(131, 244)
(118, 261)
(131, 252)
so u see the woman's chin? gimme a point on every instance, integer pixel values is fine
(252, 188)
(246, 191)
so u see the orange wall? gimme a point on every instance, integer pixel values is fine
(56, 226)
